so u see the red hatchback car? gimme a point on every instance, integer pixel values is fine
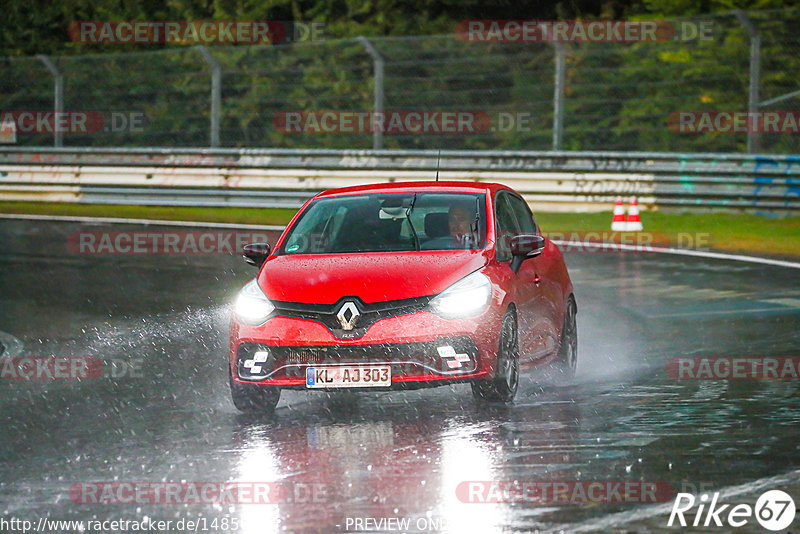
(402, 285)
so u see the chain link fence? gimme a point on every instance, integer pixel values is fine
(529, 95)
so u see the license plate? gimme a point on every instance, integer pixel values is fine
(349, 376)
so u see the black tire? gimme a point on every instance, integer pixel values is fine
(567, 360)
(503, 387)
(253, 398)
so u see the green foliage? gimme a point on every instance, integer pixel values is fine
(617, 96)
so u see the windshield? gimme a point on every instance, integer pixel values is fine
(389, 223)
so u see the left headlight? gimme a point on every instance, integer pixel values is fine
(469, 296)
(252, 306)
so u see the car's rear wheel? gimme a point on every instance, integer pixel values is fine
(567, 360)
(503, 387)
(253, 398)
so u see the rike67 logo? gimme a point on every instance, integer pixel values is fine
(774, 510)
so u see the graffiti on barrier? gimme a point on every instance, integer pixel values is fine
(769, 171)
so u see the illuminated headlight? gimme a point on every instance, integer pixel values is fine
(469, 296)
(252, 306)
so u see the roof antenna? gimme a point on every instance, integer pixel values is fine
(438, 157)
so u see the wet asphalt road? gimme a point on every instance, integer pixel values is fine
(386, 455)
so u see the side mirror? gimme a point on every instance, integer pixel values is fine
(255, 253)
(523, 247)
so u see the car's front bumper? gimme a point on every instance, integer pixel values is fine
(409, 343)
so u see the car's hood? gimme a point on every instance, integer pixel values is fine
(373, 277)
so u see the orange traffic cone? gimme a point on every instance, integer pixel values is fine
(634, 223)
(618, 223)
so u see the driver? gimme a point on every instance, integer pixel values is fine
(460, 219)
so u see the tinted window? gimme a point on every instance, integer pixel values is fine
(523, 215)
(506, 225)
(389, 222)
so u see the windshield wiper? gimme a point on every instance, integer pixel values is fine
(411, 224)
(477, 219)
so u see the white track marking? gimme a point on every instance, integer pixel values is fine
(697, 253)
(700, 313)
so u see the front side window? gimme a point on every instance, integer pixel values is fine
(389, 222)
(506, 227)
(522, 214)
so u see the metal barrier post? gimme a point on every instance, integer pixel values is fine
(558, 96)
(377, 135)
(755, 75)
(58, 98)
(216, 94)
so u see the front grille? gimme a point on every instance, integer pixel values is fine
(369, 313)
(406, 359)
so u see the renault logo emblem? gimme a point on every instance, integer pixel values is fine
(348, 315)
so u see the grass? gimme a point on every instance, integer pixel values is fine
(734, 232)
(743, 233)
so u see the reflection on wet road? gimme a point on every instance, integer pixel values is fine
(401, 455)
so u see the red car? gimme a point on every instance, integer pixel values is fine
(402, 285)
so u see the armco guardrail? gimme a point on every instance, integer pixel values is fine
(587, 181)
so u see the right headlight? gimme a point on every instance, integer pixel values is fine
(469, 296)
(252, 306)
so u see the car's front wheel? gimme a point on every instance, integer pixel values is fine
(567, 360)
(252, 398)
(503, 387)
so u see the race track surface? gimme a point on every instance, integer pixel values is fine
(401, 455)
